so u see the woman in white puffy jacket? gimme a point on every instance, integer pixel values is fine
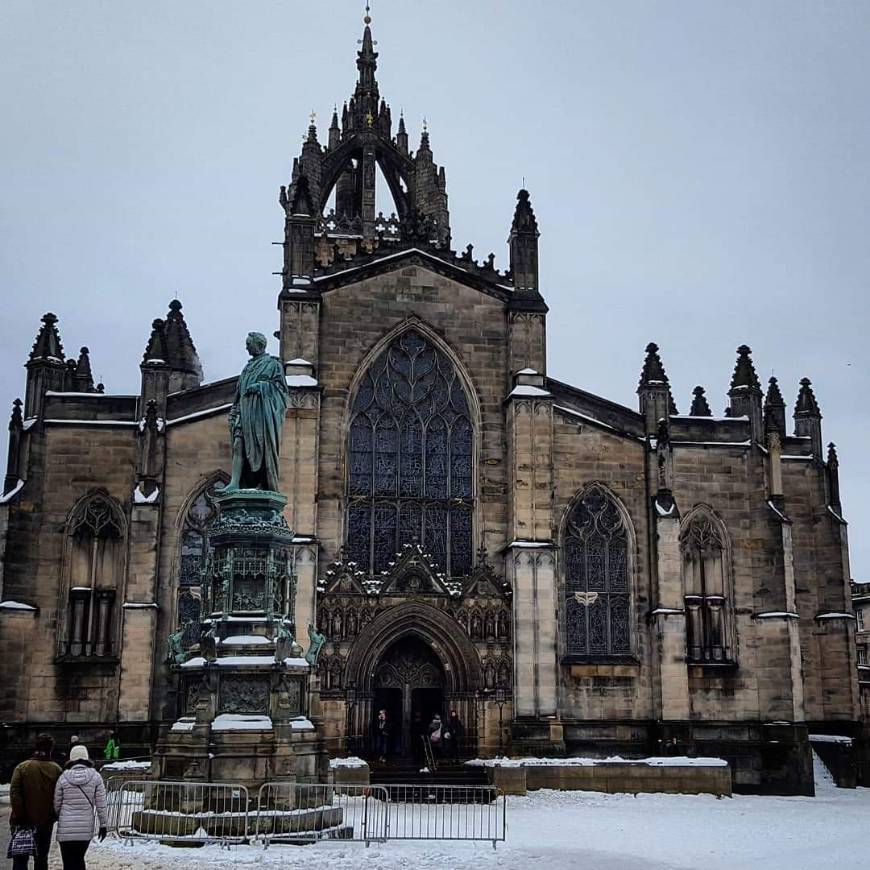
(79, 795)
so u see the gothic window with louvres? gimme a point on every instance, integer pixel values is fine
(193, 556)
(410, 460)
(705, 586)
(597, 598)
(95, 573)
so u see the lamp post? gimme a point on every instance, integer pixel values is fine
(500, 700)
(350, 696)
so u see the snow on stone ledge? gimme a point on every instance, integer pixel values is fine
(185, 723)
(238, 722)
(127, 765)
(300, 723)
(8, 496)
(15, 605)
(830, 738)
(528, 391)
(244, 640)
(301, 381)
(652, 761)
(352, 761)
(139, 497)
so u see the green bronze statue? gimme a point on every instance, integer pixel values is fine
(315, 644)
(256, 419)
(175, 652)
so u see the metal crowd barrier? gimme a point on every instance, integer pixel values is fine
(447, 812)
(191, 812)
(289, 812)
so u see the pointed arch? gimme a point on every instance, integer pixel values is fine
(94, 568)
(411, 420)
(705, 555)
(597, 556)
(193, 523)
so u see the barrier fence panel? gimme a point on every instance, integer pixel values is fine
(181, 811)
(290, 812)
(446, 812)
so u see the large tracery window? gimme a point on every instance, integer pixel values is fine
(410, 458)
(597, 603)
(708, 610)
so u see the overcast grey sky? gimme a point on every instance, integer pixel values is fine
(700, 172)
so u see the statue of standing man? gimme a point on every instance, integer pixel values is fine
(256, 418)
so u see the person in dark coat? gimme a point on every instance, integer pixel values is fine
(31, 795)
(453, 734)
(383, 730)
(79, 795)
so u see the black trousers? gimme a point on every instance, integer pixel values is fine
(73, 854)
(43, 844)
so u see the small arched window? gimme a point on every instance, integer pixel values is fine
(96, 564)
(410, 459)
(597, 598)
(705, 587)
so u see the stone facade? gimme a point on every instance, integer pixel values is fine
(570, 574)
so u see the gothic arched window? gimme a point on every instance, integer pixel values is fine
(705, 587)
(95, 569)
(597, 598)
(194, 550)
(410, 460)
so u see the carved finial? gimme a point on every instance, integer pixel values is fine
(833, 461)
(48, 345)
(744, 376)
(700, 406)
(83, 377)
(806, 401)
(16, 420)
(653, 372)
(774, 409)
(367, 18)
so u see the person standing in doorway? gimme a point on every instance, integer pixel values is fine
(31, 795)
(436, 736)
(79, 795)
(453, 734)
(382, 733)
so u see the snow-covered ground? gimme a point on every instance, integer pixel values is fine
(565, 830)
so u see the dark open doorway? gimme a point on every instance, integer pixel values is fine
(409, 680)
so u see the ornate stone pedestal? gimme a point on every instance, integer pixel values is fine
(245, 682)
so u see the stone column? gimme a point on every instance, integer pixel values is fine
(531, 552)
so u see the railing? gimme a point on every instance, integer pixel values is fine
(447, 812)
(428, 753)
(193, 812)
(289, 812)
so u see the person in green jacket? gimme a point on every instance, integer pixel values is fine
(31, 795)
(112, 752)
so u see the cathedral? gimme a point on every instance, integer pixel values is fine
(571, 575)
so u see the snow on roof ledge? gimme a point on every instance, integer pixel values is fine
(528, 391)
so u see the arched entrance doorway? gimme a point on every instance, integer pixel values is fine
(412, 656)
(409, 685)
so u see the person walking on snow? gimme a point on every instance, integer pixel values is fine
(31, 794)
(80, 793)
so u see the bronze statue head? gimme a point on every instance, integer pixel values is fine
(256, 343)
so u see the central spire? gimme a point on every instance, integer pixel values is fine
(366, 93)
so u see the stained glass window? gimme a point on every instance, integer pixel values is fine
(410, 460)
(597, 610)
